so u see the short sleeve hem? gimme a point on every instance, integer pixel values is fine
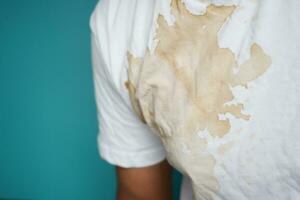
(131, 160)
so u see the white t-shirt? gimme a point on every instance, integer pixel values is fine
(217, 80)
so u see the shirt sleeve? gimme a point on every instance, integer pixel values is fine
(123, 139)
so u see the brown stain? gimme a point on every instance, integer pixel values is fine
(126, 84)
(184, 85)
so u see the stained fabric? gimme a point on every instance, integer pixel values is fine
(218, 83)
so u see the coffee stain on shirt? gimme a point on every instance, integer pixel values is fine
(184, 84)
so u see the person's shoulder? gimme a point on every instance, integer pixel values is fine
(98, 16)
(111, 14)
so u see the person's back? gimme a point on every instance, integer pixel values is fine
(217, 82)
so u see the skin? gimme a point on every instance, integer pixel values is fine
(146, 183)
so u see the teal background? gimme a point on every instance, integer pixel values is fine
(48, 121)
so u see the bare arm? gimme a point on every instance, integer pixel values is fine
(148, 183)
